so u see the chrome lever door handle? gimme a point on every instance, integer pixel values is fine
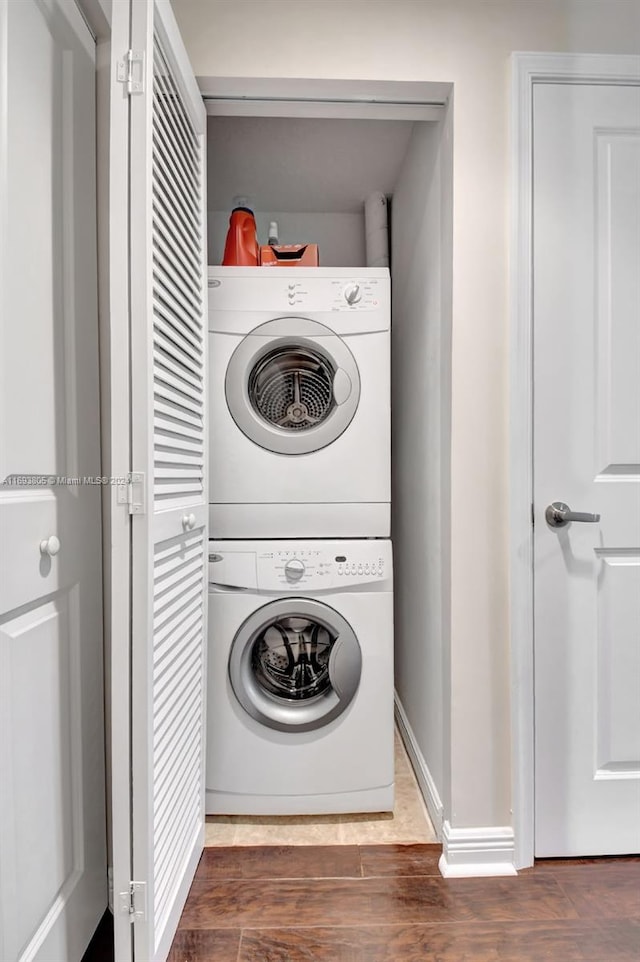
(558, 514)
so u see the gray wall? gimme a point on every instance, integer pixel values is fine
(420, 404)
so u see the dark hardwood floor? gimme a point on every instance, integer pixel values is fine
(388, 903)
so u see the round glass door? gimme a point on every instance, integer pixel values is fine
(290, 658)
(295, 664)
(292, 393)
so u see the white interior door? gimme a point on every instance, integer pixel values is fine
(169, 447)
(586, 305)
(53, 882)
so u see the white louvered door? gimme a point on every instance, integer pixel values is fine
(169, 446)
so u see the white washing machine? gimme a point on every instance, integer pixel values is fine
(300, 402)
(300, 677)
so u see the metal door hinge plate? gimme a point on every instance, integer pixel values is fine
(130, 71)
(134, 902)
(133, 493)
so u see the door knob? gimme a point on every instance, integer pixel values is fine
(188, 521)
(50, 545)
(558, 514)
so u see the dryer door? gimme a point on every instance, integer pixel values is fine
(295, 664)
(292, 386)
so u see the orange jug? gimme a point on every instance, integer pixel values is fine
(241, 247)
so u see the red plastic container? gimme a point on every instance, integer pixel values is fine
(241, 247)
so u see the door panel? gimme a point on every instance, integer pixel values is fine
(618, 666)
(177, 713)
(53, 874)
(169, 446)
(587, 454)
(41, 701)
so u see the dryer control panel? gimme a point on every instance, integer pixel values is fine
(363, 292)
(356, 294)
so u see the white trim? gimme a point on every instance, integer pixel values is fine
(474, 852)
(520, 455)
(317, 88)
(527, 70)
(113, 289)
(425, 780)
(583, 68)
(359, 110)
(97, 15)
(360, 99)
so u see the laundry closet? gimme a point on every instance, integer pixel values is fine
(307, 155)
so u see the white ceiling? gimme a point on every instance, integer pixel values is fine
(303, 164)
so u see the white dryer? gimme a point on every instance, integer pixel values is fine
(300, 677)
(299, 402)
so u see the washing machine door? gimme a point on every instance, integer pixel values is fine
(292, 386)
(295, 664)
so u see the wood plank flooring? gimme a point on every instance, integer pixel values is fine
(388, 903)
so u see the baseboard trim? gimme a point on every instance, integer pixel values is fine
(468, 852)
(424, 778)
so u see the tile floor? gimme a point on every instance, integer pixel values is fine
(408, 824)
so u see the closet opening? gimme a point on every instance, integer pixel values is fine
(307, 155)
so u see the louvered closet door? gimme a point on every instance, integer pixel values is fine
(168, 317)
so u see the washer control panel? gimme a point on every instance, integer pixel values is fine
(293, 567)
(303, 567)
(354, 569)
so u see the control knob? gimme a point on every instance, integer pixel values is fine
(294, 570)
(352, 293)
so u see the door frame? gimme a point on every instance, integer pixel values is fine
(113, 329)
(366, 99)
(528, 69)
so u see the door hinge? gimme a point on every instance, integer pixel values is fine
(130, 71)
(134, 902)
(133, 493)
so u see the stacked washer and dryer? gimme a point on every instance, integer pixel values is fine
(300, 678)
